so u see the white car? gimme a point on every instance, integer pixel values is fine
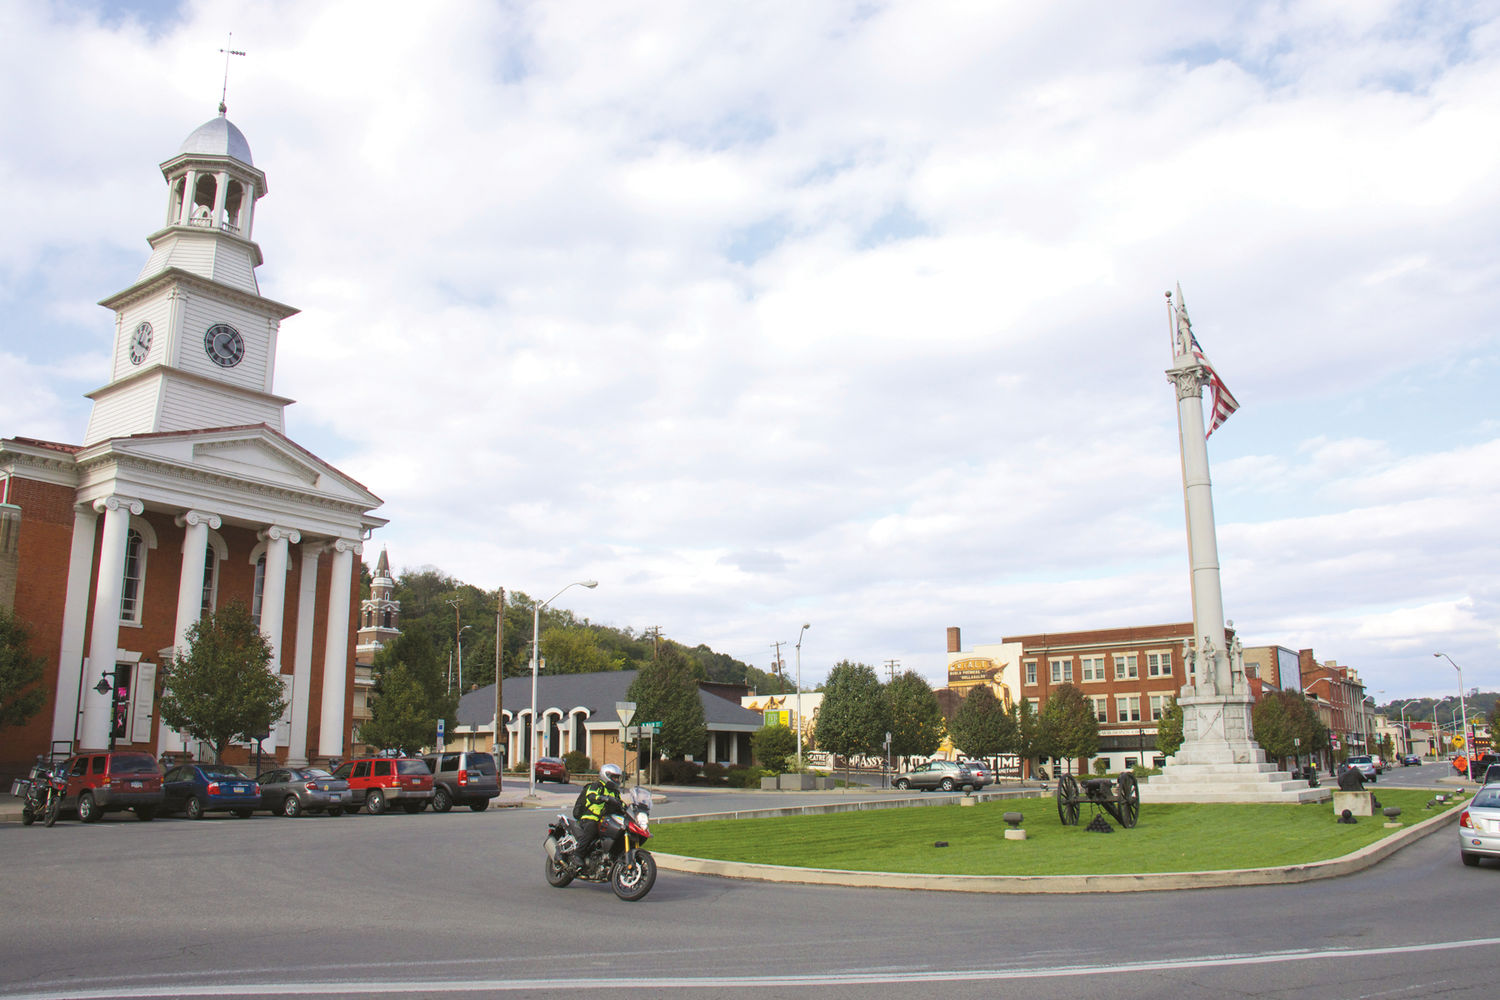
(1479, 826)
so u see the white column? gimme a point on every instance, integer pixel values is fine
(195, 525)
(273, 601)
(189, 191)
(65, 720)
(336, 649)
(221, 194)
(104, 636)
(1203, 547)
(307, 596)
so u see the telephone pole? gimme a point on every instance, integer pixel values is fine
(890, 670)
(655, 633)
(778, 667)
(499, 683)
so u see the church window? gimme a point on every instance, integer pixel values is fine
(210, 580)
(258, 595)
(135, 578)
(385, 618)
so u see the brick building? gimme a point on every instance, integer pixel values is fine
(184, 494)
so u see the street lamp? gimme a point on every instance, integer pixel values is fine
(106, 685)
(1462, 705)
(1405, 731)
(536, 641)
(803, 629)
(1369, 720)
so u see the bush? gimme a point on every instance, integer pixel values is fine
(713, 774)
(577, 762)
(1101, 765)
(747, 777)
(1144, 772)
(773, 745)
(676, 772)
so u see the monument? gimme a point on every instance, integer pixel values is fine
(1219, 760)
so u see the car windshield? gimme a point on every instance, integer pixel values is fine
(133, 763)
(315, 772)
(1487, 798)
(482, 762)
(220, 771)
(411, 766)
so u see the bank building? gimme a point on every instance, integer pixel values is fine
(185, 494)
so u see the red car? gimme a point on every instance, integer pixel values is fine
(551, 769)
(378, 782)
(110, 782)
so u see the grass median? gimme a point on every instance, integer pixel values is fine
(1168, 838)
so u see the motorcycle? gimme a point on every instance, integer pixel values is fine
(616, 856)
(41, 795)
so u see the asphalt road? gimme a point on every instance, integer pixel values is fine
(431, 905)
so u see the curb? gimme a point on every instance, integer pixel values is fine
(1365, 857)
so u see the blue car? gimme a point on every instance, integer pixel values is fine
(196, 789)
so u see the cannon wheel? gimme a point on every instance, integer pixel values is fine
(1130, 800)
(1067, 800)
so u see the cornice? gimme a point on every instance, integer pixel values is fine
(42, 464)
(198, 283)
(171, 371)
(208, 232)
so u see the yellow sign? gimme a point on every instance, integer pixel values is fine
(1458, 741)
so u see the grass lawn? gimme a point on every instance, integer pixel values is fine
(1168, 838)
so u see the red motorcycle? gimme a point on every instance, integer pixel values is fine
(616, 856)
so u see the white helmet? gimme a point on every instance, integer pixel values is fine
(611, 774)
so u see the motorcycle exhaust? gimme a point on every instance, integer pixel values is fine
(551, 845)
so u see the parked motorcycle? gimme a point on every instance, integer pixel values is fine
(41, 795)
(616, 856)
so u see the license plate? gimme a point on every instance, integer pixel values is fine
(241, 789)
(135, 784)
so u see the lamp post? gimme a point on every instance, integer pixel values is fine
(800, 631)
(536, 641)
(107, 685)
(1307, 690)
(1369, 720)
(1405, 731)
(1463, 707)
(461, 659)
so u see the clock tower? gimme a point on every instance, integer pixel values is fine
(195, 341)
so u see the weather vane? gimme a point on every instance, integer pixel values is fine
(224, 94)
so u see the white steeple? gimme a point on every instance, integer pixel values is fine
(195, 342)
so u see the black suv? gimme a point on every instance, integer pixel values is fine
(462, 777)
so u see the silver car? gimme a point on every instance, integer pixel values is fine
(944, 775)
(1479, 826)
(292, 791)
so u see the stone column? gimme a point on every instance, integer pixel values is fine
(104, 635)
(307, 596)
(196, 525)
(336, 649)
(273, 600)
(65, 715)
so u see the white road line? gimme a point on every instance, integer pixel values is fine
(815, 980)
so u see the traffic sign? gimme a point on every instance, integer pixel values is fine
(626, 711)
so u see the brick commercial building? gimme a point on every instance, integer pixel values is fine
(184, 494)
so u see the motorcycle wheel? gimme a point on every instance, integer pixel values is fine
(54, 802)
(557, 873)
(27, 816)
(634, 876)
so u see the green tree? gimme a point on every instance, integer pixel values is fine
(1169, 729)
(1030, 740)
(773, 745)
(400, 712)
(1071, 729)
(221, 688)
(666, 691)
(1281, 719)
(855, 715)
(982, 727)
(575, 649)
(21, 696)
(916, 717)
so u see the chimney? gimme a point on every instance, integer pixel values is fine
(954, 645)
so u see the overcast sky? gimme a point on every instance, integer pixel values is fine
(841, 313)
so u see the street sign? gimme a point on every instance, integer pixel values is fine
(441, 723)
(651, 727)
(626, 711)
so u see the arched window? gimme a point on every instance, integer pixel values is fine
(135, 578)
(259, 594)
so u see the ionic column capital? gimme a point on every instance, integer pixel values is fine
(277, 532)
(347, 545)
(197, 517)
(117, 502)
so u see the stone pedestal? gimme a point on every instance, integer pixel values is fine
(1220, 761)
(1358, 803)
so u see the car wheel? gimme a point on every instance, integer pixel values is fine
(194, 808)
(291, 807)
(243, 813)
(903, 784)
(441, 800)
(947, 785)
(335, 810)
(480, 806)
(88, 809)
(375, 802)
(1472, 860)
(145, 813)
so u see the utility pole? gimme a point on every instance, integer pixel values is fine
(655, 633)
(499, 683)
(456, 642)
(890, 670)
(778, 667)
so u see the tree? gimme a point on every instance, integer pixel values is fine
(916, 718)
(1282, 718)
(855, 715)
(773, 745)
(400, 712)
(1030, 741)
(666, 691)
(1169, 729)
(982, 727)
(1071, 729)
(21, 696)
(575, 649)
(221, 689)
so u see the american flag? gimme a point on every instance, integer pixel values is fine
(1224, 402)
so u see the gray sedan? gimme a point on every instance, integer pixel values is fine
(940, 774)
(1479, 826)
(292, 791)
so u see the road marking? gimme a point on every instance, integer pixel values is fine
(178, 990)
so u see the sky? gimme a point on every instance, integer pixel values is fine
(841, 313)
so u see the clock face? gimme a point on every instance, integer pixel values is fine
(140, 343)
(224, 345)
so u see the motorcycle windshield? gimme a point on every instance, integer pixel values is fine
(640, 799)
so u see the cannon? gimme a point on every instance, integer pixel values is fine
(1120, 797)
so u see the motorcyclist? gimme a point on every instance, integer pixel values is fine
(600, 798)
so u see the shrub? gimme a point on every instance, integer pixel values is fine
(773, 745)
(676, 772)
(1144, 772)
(713, 774)
(747, 777)
(577, 762)
(1101, 765)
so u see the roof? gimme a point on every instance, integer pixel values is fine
(596, 692)
(218, 137)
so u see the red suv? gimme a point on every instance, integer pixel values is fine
(377, 782)
(110, 782)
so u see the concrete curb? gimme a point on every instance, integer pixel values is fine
(1031, 884)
